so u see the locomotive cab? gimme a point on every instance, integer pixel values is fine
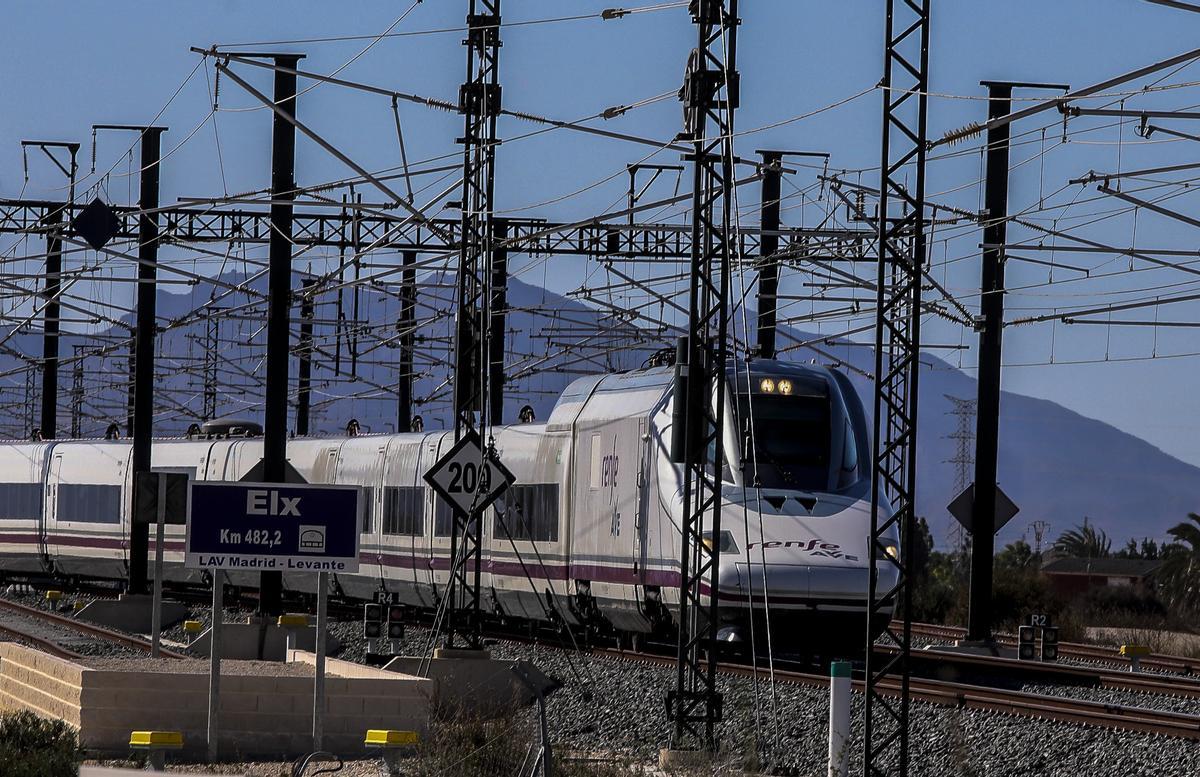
(795, 518)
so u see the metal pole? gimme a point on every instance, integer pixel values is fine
(479, 104)
(710, 96)
(901, 246)
(987, 420)
(52, 310)
(319, 671)
(50, 316)
(497, 310)
(839, 719)
(131, 363)
(283, 185)
(408, 320)
(768, 268)
(77, 393)
(156, 614)
(143, 362)
(304, 380)
(214, 661)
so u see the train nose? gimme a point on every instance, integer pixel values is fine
(797, 583)
(776, 580)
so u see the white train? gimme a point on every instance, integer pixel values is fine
(592, 522)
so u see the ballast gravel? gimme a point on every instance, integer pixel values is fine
(785, 730)
(611, 705)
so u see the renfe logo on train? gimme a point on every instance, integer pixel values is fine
(813, 547)
(269, 526)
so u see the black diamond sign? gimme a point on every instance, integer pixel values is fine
(97, 223)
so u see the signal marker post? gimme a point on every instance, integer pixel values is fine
(214, 661)
(160, 498)
(468, 480)
(271, 527)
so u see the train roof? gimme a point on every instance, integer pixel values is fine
(640, 390)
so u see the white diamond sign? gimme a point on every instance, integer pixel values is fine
(962, 505)
(466, 478)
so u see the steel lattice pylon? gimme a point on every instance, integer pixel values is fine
(212, 345)
(710, 97)
(897, 359)
(479, 102)
(77, 392)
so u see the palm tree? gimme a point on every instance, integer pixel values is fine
(1179, 575)
(1084, 542)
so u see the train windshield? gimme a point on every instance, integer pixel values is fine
(786, 434)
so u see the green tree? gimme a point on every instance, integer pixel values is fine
(1130, 550)
(1179, 576)
(922, 548)
(1084, 542)
(1016, 555)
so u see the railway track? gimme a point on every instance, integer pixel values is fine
(1077, 650)
(22, 625)
(967, 696)
(943, 664)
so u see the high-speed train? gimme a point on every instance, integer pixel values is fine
(590, 531)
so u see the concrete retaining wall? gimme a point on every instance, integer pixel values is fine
(261, 715)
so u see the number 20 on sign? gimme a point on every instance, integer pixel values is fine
(466, 478)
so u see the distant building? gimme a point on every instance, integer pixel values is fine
(1073, 576)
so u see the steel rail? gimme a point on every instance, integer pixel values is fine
(88, 629)
(41, 643)
(1054, 673)
(1158, 661)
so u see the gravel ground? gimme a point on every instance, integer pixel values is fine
(624, 714)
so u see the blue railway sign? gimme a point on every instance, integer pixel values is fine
(272, 527)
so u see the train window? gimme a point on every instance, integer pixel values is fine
(404, 510)
(597, 462)
(790, 440)
(530, 513)
(849, 473)
(443, 518)
(366, 508)
(20, 500)
(89, 503)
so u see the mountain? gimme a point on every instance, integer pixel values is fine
(1056, 465)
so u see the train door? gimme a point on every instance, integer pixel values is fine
(642, 516)
(372, 525)
(126, 507)
(50, 520)
(43, 516)
(329, 473)
(441, 518)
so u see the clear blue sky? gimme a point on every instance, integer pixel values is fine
(71, 64)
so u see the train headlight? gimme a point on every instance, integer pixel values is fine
(767, 386)
(727, 543)
(785, 386)
(887, 552)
